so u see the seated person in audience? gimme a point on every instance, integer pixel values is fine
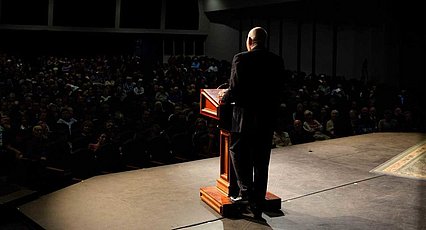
(200, 138)
(280, 138)
(8, 153)
(84, 137)
(313, 127)
(388, 124)
(214, 138)
(339, 125)
(354, 122)
(112, 131)
(162, 95)
(7, 144)
(176, 96)
(298, 114)
(103, 139)
(366, 124)
(23, 131)
(398, 115)
(408, 124)
(373, 116)
(324, 115)
(331, 123)
(139, 90)
(298, 135)
(66, 124)
(159, 115)
(37, 147)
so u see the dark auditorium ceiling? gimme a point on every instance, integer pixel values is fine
(351, 12)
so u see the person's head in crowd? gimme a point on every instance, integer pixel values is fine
(315, 95)
(139, 82)
(398, 112)
(35, 107)
(300, 108)
(200, 124)
(105, 109)
(300, 94)
(25, 123)
(119, 118)
(155, 86)
(146, 116)
(158, 106)
(37, 131)
(107, 91)
(353, 114)
(334, 114)
(42, 116)
(364, 113)
(373, 112)
(354, 104)
(66, 114)
(408, 120)
(161, 89)
(70, 111)
(387, 114)
(45, 128)
(87, 128)
(59, 102)
(175, 90)
(309, 116)
(324, 112)
(5, 121)
(298, 125)
(109, 125)
(190, 89)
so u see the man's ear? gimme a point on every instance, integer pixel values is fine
(249, 43)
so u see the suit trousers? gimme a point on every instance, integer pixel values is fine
(250, 155)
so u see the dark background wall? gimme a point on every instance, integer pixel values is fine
(334, 37)
(326, 36)
(78, 27)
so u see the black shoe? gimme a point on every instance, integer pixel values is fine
(260, 219)
(258, 216)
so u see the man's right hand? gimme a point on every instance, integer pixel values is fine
(221, 95)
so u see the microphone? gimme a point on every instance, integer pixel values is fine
(222, 85)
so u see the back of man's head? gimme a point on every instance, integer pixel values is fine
(258, 36)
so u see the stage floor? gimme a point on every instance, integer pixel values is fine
(323, 185)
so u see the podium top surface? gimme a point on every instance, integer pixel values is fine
(209, 102)
(213, 94)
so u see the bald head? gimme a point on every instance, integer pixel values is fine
(256, 38)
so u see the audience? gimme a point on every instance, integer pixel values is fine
(52, 104)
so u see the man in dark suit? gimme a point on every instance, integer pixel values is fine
(255, 87)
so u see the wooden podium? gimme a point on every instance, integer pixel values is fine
(217, 196)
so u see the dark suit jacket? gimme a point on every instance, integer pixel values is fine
(255, 86)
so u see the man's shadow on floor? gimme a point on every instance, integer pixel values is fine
(274, 213)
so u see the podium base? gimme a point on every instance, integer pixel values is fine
(223, 205)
